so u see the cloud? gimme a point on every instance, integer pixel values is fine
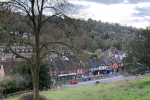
(107, 2)
(131, 20)
(141, 11)
(138, 1)
(111, 2)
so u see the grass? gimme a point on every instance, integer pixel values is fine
(129, 89)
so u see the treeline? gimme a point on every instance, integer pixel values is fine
(103, 35)
(91, 34)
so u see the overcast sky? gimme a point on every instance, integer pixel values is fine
(126, 12)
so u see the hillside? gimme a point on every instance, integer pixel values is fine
(129, 89)
(91, 34)
(104, 35)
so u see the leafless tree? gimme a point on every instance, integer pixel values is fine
(29, 16)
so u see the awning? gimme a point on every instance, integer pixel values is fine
(66, 74)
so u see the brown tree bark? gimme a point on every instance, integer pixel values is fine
(36, 87)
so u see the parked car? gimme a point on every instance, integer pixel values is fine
(73, 82)
(87, 75)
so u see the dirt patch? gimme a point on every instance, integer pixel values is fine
(87, 94)
(125, 89)
(99, 91)
(112, 88)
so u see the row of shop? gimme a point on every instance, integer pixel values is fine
(73, 76)
(107, 71)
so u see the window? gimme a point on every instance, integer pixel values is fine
(18, 50)
(81, 69)
(78, 70)
(23, 50)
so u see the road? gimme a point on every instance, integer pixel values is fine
(92, 82)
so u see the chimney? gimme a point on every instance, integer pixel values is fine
(95, 59)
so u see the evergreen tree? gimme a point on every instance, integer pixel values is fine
(106, 36)
(44, 77)
(138, 59)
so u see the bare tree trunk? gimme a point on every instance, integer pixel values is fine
(36, 77)
(36, 87)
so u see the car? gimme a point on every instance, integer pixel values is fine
(73, 82)
(86, 78)
(87, 75)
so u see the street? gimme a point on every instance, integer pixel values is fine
(92, 82)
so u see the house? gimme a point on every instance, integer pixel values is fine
(62, 69)
(102, 66)
(113, 53)
(6, 67)
(120, 63)
(120, 54)
(116, 64)
(109, 66)
(80, 64)
(110, 53)
(68, 68)
(21, 50)
(94, 66)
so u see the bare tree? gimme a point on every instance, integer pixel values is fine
(28, 15)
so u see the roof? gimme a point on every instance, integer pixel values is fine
(93, 63)
(80, 62)
(107, 61)
(101, 62)
(52, 66)
(118, 60)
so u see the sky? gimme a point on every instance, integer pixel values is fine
(134, 13)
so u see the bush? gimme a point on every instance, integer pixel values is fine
(1, 90)
(30, 96)
(25, 77)
(8, 86)
(22, 81)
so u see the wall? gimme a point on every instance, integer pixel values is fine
(2, 74)
(115, 65)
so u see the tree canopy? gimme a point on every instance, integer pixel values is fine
(93, 56)
(138, 59)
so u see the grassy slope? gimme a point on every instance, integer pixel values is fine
(121, 90)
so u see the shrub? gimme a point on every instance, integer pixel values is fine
(25, 77)
(1, 90)
(8, 86)
(30, 96)
(22, 81)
